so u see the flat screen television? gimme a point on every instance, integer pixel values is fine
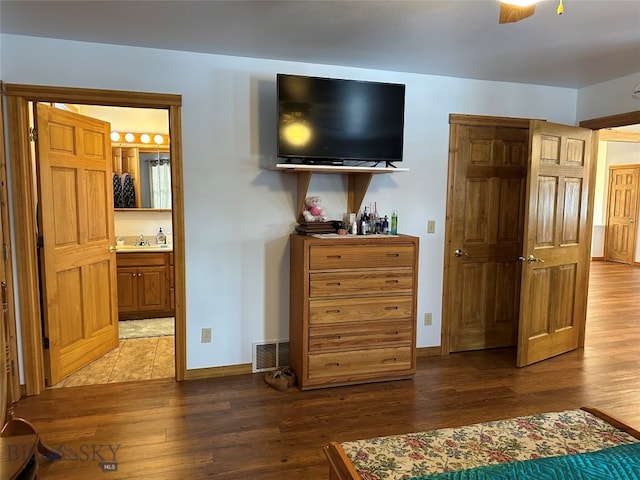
(330, 120)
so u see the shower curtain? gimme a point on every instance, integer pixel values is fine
(160, 183)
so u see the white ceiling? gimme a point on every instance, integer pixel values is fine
(593, 41)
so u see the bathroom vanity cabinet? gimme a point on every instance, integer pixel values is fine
(145, 285)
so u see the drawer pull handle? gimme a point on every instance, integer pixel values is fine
(332, 311)
(336, 364)
(334, 256)
(394, 333)
(391, 308)
(333, 284)
(389, 360)
(332, 337)
(392, 281)
(393, 254)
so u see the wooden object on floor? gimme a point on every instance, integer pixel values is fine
(18, 457)
(236, 426)
(19, 440)
(352, 309)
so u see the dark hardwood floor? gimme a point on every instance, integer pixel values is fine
(239, 428)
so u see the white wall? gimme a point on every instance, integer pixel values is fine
(608, 98)
(599, 203)
(238, 215)
(123, 119)
(142, 222)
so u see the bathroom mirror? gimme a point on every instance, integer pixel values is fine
(155, 179)
(145, 178)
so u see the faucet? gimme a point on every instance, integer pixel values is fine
(142, 242)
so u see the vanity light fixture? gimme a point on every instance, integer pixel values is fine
(123, 138)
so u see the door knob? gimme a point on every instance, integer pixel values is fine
(632, 221)
(460, 253)
(531, 258)
(112, 248)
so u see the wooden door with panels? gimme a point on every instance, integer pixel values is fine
(622, 213)
(519, 192)
(557, 247)
(486, 235)
(78, 260)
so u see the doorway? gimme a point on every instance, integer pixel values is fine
(18, 99)
(146, 341)
(516, 258)
(622, 212)
(563, 279)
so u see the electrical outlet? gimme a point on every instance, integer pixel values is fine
(431, 226)
(428, 319)
(206, 335)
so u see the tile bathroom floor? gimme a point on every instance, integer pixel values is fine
(134, 359)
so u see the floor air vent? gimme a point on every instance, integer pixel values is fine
(270, 355)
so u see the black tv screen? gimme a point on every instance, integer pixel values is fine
(329, 120)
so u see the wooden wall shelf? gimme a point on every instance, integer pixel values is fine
(359, 179)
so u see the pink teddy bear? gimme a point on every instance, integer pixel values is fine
(313, 212)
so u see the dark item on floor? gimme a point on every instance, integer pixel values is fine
(277, 380)
(281, 378)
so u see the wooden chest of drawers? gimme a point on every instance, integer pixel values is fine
(352, 309)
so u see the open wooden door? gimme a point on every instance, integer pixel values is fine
(622, 212)
(557, 242)
(78, 260)
(486, 215)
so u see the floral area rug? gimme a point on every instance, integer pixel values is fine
(150, 327)
(451, 449)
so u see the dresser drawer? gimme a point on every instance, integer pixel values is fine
(360, 256)
(357, 310)
(358, 336)
(359, 362)
(361, 283)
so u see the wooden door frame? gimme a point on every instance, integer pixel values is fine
(24, 195)
(636, 200)
(6, 267)
(619, 120)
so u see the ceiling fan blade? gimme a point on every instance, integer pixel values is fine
(513, 13)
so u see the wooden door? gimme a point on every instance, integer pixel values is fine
(78, 276)
(622, 213)
(487, 215)
(557, 242)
